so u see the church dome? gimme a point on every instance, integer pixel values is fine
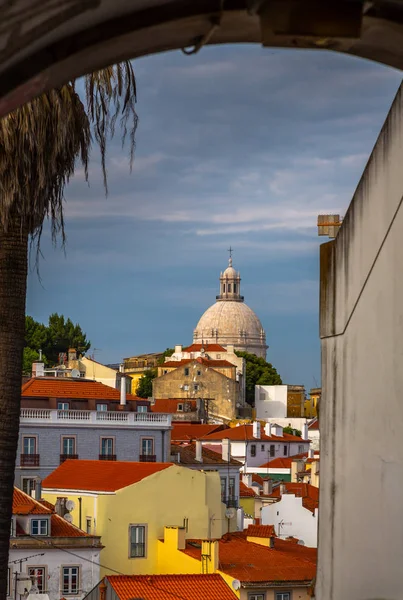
(230, 321)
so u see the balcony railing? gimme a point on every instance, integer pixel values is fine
(147, 458)
(107, 457)
(93, 417)
(29, 460)
(230, 501)
(64, 457)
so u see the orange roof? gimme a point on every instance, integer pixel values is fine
(283, 462)
(187, 455)
(100, 475)
(170, 405)
(245, 491)
(261, 531)
(204, 361)
(170, 587)
(61, 528)
(245, 432)
(207, 347)
(182, 432)
(66, 387)
(314, 425)
(25, 505)
(309, 494)
(251, 562)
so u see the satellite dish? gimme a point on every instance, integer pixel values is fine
(230, 513)
(70, 505)
(236, 584)
(68, 517)
(75, 373)
(301, 542)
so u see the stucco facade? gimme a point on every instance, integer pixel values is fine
(290, 518)
(361, 410)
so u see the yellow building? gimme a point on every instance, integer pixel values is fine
(136, 366)
(128, 504)
(311, 404)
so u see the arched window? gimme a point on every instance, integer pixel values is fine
(223, 288)
(234, 288)
(229, 288)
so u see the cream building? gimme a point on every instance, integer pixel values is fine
(230, 322)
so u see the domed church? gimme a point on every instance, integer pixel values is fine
(230, 321)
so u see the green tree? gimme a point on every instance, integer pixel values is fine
(292, 431)
(145, 385)
(258, 372)
(168, 352)
(62, 335)
(40, 144)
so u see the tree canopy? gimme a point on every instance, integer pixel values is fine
(57, 336)
(168, 352)
(145, 385)
(258, 372)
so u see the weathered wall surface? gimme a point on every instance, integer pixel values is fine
(361, 412)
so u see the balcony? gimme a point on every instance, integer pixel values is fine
(77, 418)
(107, 457)
(147, 458)
(64, 457)
(29, 460)
(230, 501)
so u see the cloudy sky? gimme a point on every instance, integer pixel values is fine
(240, 146)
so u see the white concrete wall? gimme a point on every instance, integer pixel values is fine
(313, 435)
(361, 410)
(53, 560)
(270, 401)
(295, 520)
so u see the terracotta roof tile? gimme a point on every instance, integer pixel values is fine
(283, 462)
(66, 387)
(261, 531)
(182, 432)
(314, 425)
(188, 456)
(171, 587)
(245, 432)
(309, 494)
(170, 405)
(100, 475)
(251, 562)
(25, 505)
(207, 347)
(203, 361)
(245, 491)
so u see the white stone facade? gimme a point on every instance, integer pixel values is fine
(290, 518)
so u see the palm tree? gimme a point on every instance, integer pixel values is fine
(40, 144)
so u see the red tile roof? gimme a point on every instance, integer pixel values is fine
(203, 361)
(182, 432)
(245, 491)
(187, 455)
(100, 475)
(261, 531)
(25, 505)
(309, 494)
(66, 387)
(251, 562)
(61, 528)
(283, 462)
(207, 347)
(169, 405)
(314, 425)
(170, 587)
(245, 432)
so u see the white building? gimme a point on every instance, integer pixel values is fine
(295, 514)
(313, 433)
(271, 401)
(49, 552)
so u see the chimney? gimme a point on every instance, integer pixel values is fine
(175, 536)
(297, 466)
(310, 453)
(247, 479)
(209, 550)
(122, 392)
(38, 367)
(305, 431)
(199, 456)
(226, 449)
(277, 430)
(178, 349)
(267, 429)
(72, 354)
(267, 487)
(256, 430)
(283, 488)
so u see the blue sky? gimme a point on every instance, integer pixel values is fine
(240, 146)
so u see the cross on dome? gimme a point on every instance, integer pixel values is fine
(230, 250)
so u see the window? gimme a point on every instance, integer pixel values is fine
(283, 596)
(29, 444)
(39, 527)
(180, 407)
(141, 408)
(272, 450)
(223, 487)
(199, 372)
(68, 445)
(38, 578)
(234, 288)
(229, 288)
(165, 371)
(186, 370)
(106, 446)
(195, 387)
(285, 450)
(147, 446)
(28, 485)
(102, 407)
(88, 524)
(70, 583)
(223, 288)
(63, 406)
(261, 596)
(300, 449)
(253, 450)
(231, 487)
(262, 447)
(137, 540)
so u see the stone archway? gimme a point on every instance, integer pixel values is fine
(43, 46)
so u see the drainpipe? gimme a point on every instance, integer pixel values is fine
(79, 511)
(163, 447)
